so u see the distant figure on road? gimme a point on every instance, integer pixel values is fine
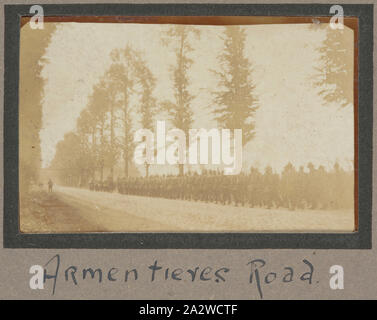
(50, 185)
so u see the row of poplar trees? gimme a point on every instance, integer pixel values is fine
(104, 130)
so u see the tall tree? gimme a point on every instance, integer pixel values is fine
(122, 72)
(336, 66)
(86, 131)
(69, 161)
(31, 92)
(147, 104)
(235, 101)
(179, 110)
(98, 107)
(111, 88)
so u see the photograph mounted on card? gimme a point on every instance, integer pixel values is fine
(151, 127)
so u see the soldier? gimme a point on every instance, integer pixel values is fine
(270, 189)
(201, 190)
(205, 186)
(217, 186)
(190, 187)
(157, 186)
(155, 189)
(211, 185)
(288, 188)
(50, 185)
(238, 189)
(107, 184)
(254, 187)
(301, 187)
(226, 196)
(340, 192)
(322, 185)
(119, 185)
(312, 187)
(183, 187)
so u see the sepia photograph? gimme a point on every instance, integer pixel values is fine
(168, 127)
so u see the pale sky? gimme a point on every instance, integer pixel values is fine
(292, 123)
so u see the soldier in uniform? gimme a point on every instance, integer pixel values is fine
(339, 183)
(271, 184)
(312, 187)
(50, 185)
(91, 185)
(120, 185)
(301, 187)
(322, 187)
(254, 187)
(217, 187)
(190, 187)
(226, 196)
(288, 188)
(267, 194)
(238, 189)
(210, 187)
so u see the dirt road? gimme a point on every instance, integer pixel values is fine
(43, 212)
(56, 212)
(85, 210)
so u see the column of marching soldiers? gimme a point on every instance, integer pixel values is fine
(293, 189)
